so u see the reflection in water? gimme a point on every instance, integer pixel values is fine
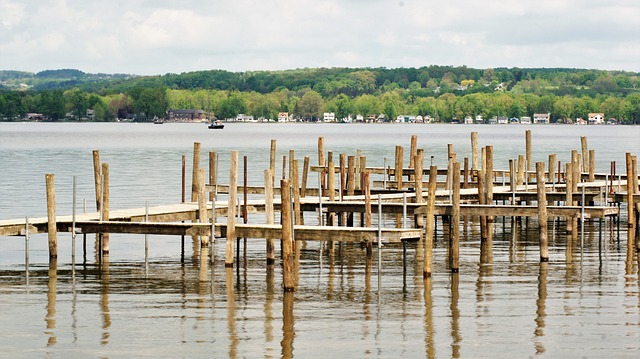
(104, 299)
(456, 338)
(50, 319)
(231, 314)
(268, 311)
(288, 330)
(429, 341)
(541, 305)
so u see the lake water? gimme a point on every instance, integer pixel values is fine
(585, 303)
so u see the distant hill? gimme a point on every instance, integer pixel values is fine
(53, 79)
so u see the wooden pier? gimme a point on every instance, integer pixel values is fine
(346, 188)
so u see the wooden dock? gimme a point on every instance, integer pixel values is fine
(474, 190)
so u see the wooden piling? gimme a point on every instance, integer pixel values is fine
(268, 209)
(196, 165)
(592, 165)
(213, 172)
(455, 220)
(529, 153)
(97, 175)
(521, 166)
(542, 212)
(569, 193)
(413, 151)
(305, 177)
(287, 237)
(430, 225)
(321, 162)
(351, 174)
(631, 220)
(418, 162)
(295, 184)
(231, 217)
(553, 158)
(398, 169)
(482, 199)
(51, 216)
(366, 188)
(184, 179)
(202, 203)
(474, 151)
(585, 154)
(331, 183)
(105, 205)
(465, 181)
(272, 160)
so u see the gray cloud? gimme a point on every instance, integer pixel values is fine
(160, 36)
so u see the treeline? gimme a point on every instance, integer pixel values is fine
(443, 92)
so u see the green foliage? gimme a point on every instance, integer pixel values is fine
(444, 92)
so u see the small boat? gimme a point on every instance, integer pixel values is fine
(218, 125)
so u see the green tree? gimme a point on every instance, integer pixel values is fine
(232, 106)
(311, 106)
(343, 106)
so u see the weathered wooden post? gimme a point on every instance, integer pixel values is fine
(97, 175)
(202, 203)
(269, 212)
(592, 165)
(272, 160)
(413, 151)
(455, 220)
(231, 208)
(520, 178)
(287, 237)
(184, 179)
(631, 220)
(52, 230)
(321, 163)
(305, 176)
(569, 193)
(553, 158)
(529, 153)
(213, 174)
(105, 205)
(482, 199)
(398, 169)
(474, 151)
(295, 185)
(366, 188)
(430, 225)
(331, 183)
(542, 212)
(585, 153)
(196, 165)
(418, 162)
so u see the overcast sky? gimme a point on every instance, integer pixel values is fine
(150, 37)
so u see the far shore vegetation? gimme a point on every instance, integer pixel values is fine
(441, 93)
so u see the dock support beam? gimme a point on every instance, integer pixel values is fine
(542, 212)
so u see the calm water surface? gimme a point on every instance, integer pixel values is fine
(584, 303)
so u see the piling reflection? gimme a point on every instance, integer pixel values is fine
(268, 311)
(104, 300)
(456, 338)
(50, 318)
(429, 341)
(541, 305)
(231, 314)
(288, 330)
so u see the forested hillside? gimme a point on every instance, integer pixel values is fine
(445, 93)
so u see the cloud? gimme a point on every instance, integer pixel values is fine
(160, 36)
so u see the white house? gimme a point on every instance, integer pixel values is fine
(283, 116)
(542, 118)
(596, 118)
(525, 120)
(329, 117)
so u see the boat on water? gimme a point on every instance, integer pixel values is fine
(217, 125)
(158, 121)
